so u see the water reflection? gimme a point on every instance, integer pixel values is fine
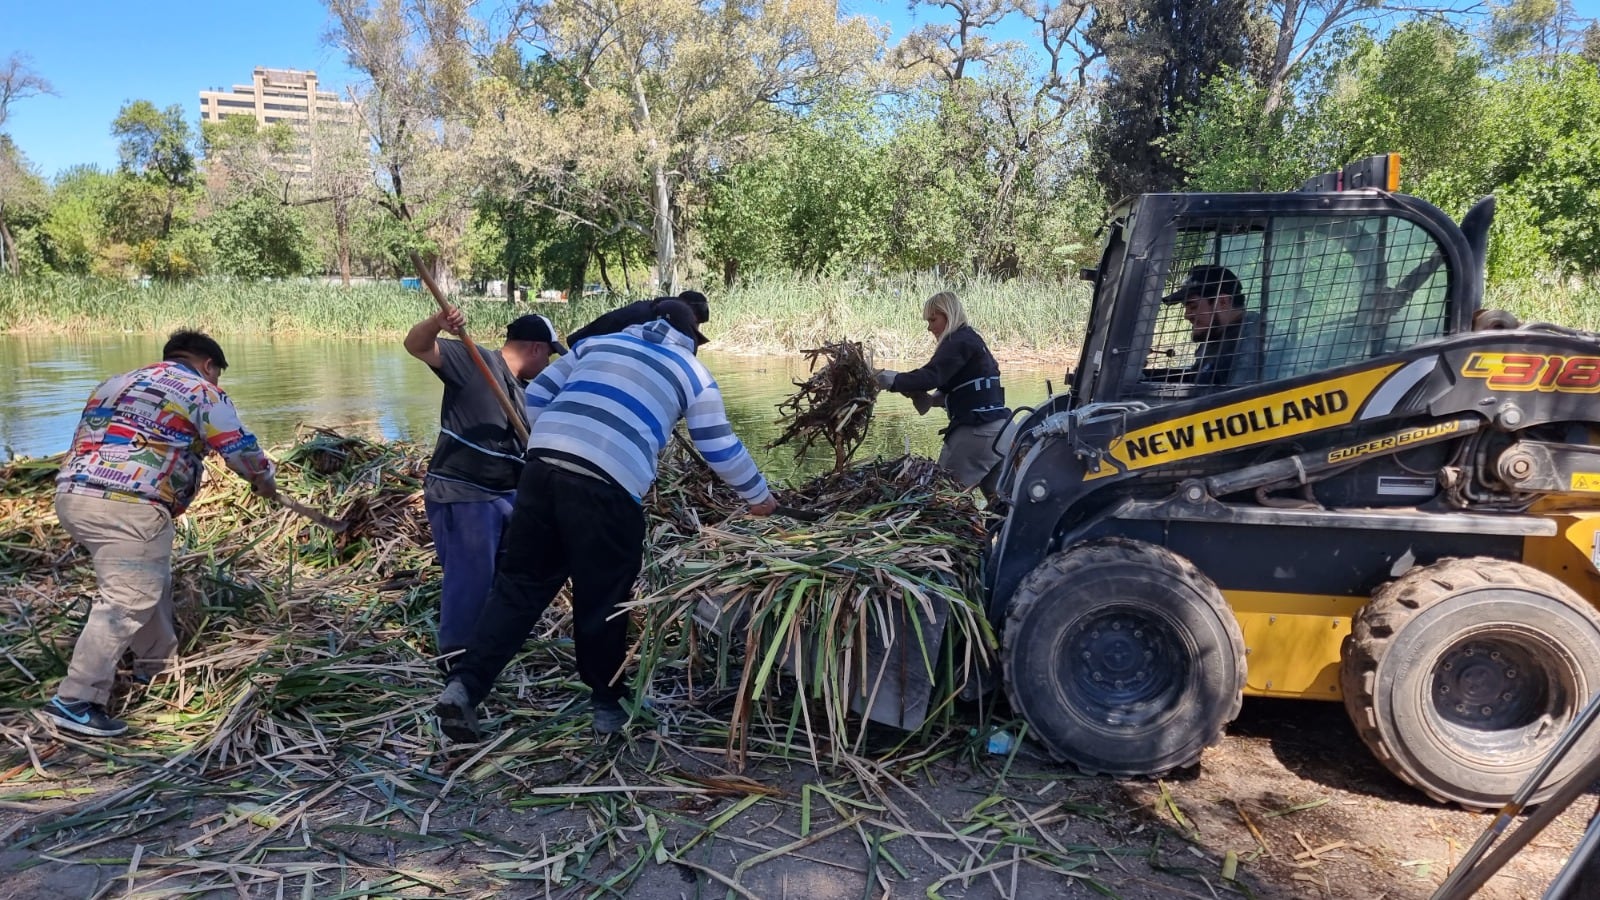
(375, 388)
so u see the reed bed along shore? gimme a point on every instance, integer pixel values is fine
(1019, 319)
(291, 750)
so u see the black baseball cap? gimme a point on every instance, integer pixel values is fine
(681, 318)
(534, 327)
(1207, 282)
(697, 302)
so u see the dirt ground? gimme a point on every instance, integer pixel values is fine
(1291, 792)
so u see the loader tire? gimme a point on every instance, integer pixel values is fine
(1123, 658)
(1461, 676)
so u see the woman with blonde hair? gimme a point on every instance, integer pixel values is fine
(964, 378)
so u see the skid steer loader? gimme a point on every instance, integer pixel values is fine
(1365, 489)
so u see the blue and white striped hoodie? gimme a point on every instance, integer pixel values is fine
(614, 400)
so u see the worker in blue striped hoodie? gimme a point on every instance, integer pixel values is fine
(599, 418)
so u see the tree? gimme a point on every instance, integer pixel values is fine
(244, 157)
(415, 61)
(997, 146)
(22, 198)
(157, 146)
(18, 81)
(948, 48)
(258, 236)
(20, 186)
(1543, 148)
(1160, 55)
(326, 166)
(75, 228)
(662, 94)
(1416, 93)
(1545, 29)
(341, 177)
(818, 201)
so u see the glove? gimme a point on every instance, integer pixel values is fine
(886, 379)
(923, 402)
(264, 485)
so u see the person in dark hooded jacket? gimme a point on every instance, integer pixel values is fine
(643, 311)
(964, 378)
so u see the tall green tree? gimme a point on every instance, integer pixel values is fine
(417, 71)
(257, 235)
(1544, 29)
(340, 189)
(75, 229)
(21, 189)
(22, 201)
(984, 169)
(1159, 55)
(1543, 145)
(819, 201)
(244, 157)
(157, 146)
(669, 91)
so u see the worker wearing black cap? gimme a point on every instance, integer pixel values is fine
(1230, 336)
(472, 477)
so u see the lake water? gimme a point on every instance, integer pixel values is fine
(375, 388)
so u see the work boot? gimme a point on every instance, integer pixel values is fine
(609, 717)
(82, 717)
(458, 716)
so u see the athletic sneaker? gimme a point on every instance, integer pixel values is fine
(83, 717)
(458, 718)
(609, 718)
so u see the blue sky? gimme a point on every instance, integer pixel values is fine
(106, 53)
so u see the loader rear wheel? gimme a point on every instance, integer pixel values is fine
(1461, 676)
(1123, 658)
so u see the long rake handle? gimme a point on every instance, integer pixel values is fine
(312, 513)
(472, 350)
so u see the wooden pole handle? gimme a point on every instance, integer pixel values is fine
(472, 350)
(315, 515)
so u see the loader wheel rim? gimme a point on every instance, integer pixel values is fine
(1122, 666)
(1497, 690)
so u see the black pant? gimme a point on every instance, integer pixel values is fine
(564, 525)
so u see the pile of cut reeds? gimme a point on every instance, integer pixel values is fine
(868, 610)
(894, 560)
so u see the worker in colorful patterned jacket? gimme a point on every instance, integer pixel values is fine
(601, 416)
(964, 378)
(136, 462)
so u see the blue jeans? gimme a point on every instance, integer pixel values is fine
(466, 537)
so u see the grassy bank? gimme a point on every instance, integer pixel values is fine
(1574, 305)
(1020, 319)
(780, 315)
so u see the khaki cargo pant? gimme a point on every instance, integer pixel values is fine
(970, 454)
(131, 544)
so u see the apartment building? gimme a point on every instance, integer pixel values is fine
(289, 96)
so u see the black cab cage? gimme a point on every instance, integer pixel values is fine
(1198, 293)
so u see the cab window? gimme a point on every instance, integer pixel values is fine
(1253, 299)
